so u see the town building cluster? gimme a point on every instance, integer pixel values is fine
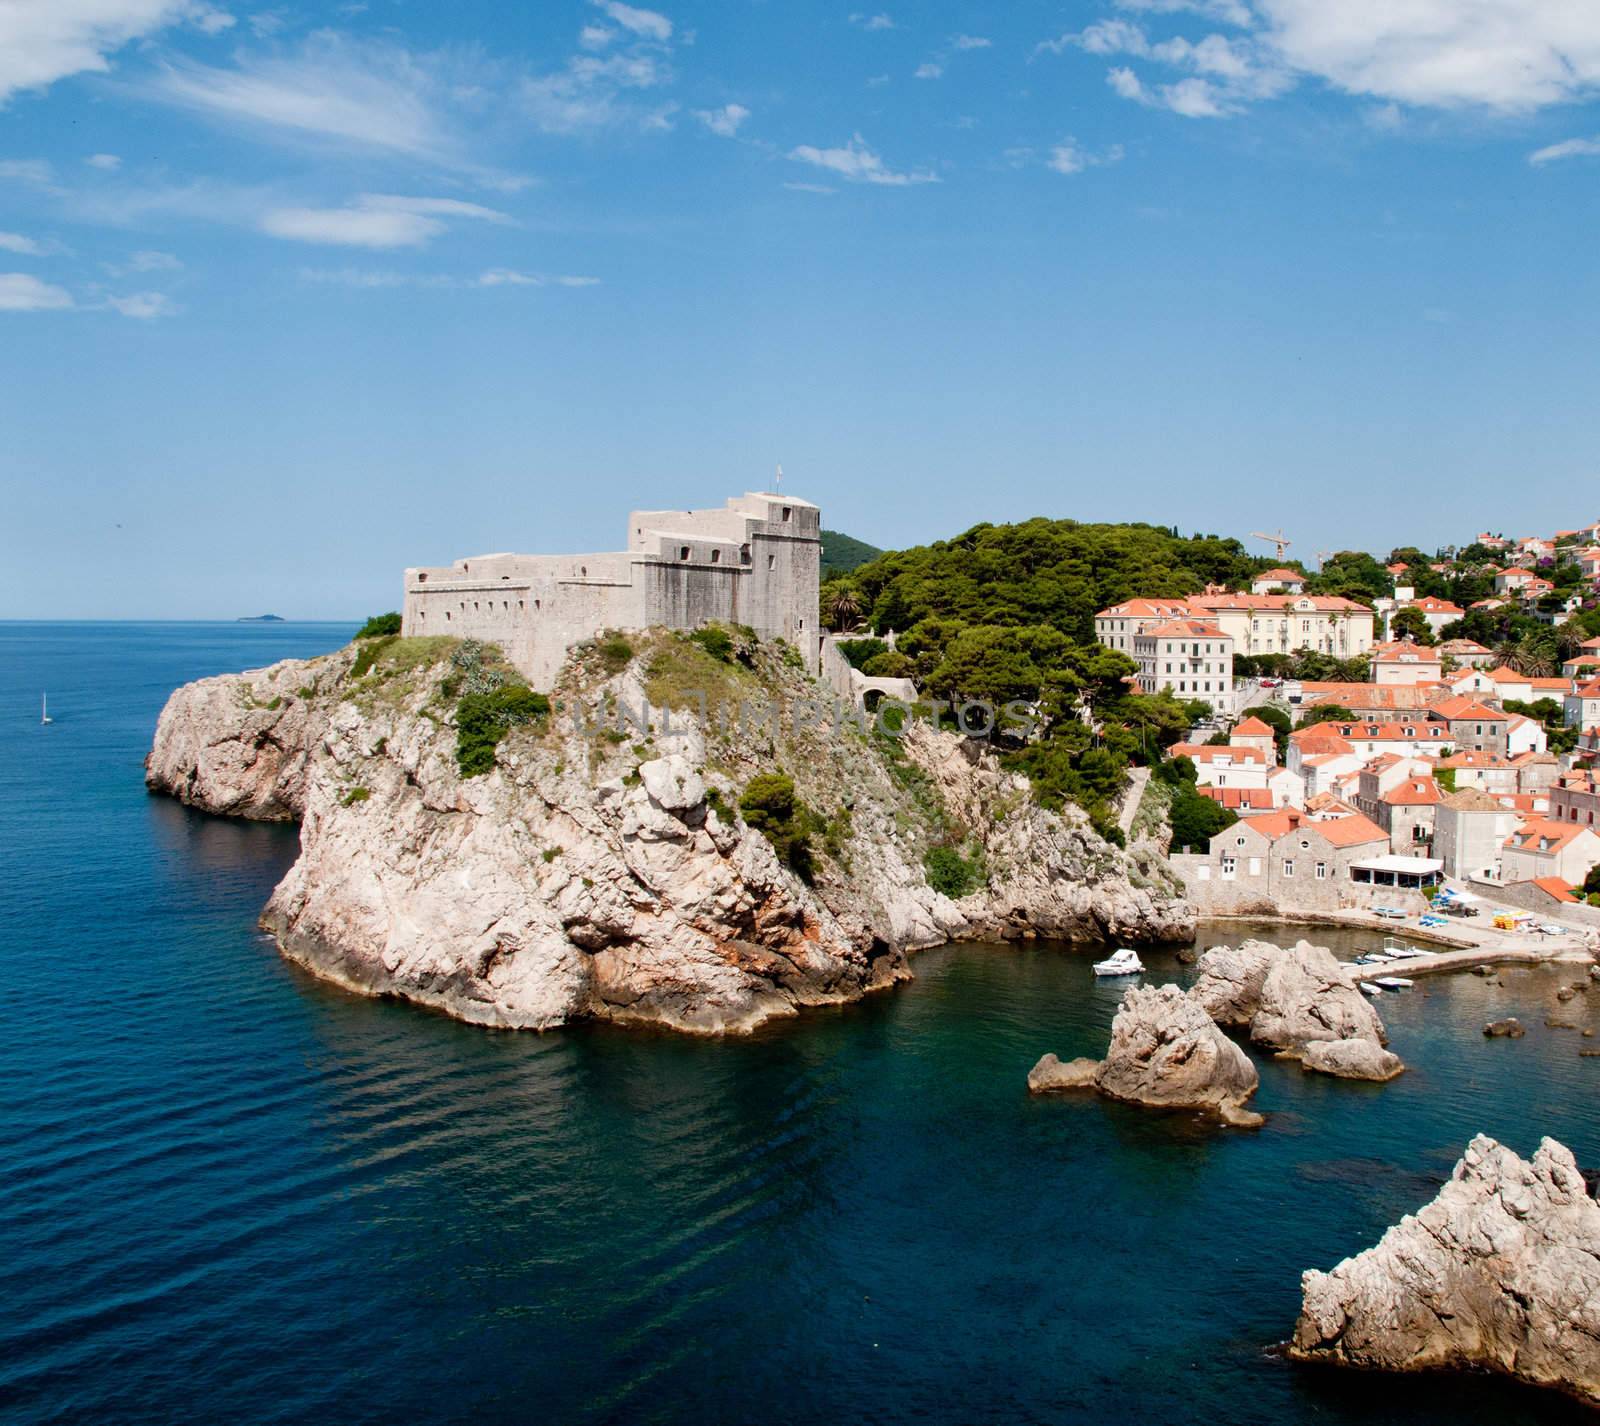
(1425, 770)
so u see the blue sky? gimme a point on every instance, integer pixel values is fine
(294, 295)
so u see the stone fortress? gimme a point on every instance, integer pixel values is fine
(756, 561)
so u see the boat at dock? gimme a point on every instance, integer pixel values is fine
(1393, 982)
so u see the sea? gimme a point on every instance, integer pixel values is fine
(230, 1192)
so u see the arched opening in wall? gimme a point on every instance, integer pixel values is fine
(583, 571)
(447, 616)
(683, 552)
(872, 698)
(422, 579)
(787, 512)
(772, 561)
(537, 605)
(744, 554)
(716, 556)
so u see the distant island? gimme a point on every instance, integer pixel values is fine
(260, 619)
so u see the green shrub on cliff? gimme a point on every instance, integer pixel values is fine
(483, 719)
(952, 874)
(379, 625)
(771, 805)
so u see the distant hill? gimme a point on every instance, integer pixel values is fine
(259, 619)
(841, 553)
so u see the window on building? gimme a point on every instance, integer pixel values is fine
(786, 513)
(1288, 868)
(422, 579)
(683, 552)
(772, 561)
(716, 556)
(1322, 871)
(744, 554)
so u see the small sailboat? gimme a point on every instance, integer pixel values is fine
(44, 709)
(1124, 962)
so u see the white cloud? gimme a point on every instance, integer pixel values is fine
(590, 93)
(22, 292)
(810, 188)
(1567, 148)
(724, 121)
(971, 42)
(1510, 55)
(371, 96)
(374, 220)
(595, 37)
(1229, 12)
(493, 277)
(1069, 157)
(146, 261)
(930, 70)
(1227, 73)
(143, 305)
(858, 164)
(1126, 83)
(42, 41)
(108, 162)
(646, 23)
(872, 22)
(27, 247)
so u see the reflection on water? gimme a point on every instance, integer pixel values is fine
(232, 1191)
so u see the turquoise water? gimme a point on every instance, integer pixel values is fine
(228, 1191)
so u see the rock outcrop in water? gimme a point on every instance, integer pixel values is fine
(1166, 1052)
(1293, 1000)
(605, 871)
(1055, 1076)
(1500, 1271)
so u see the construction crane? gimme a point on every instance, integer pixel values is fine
(1323, 556)
(1281, 540)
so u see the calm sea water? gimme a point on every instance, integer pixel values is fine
(230, 1192)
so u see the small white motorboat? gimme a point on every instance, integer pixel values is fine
(1393, 982)
(1370, 988)
(1124, 962)
(1398, 950)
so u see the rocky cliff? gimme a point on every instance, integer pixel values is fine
(1501, 1270)
(601, 867)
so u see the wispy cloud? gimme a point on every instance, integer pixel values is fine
(872, 22)
(25, 247)
(106, 162)
(143, 306)
(592, 91)
(724, 121)
(374, 220)
(1567, 148)
(856, 163)
(367, 278)
(23, 292)
(928, 70)
(374, 97)
(1070, 157)
(34, 171)
(646, 23)
(810, 188)
(42, 41)
(971, 42)
(146, 261)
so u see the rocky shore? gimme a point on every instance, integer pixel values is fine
(1500, 1272)
(1168, 1048)
(604, 870)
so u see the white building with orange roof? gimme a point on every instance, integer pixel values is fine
(1524, 735)
(1190, 658)
(1438, 612)
(1488, 772)
(1575, 799)
(1118, 626)
(1474, 724)
(1544, 847)
(1224, 766)
(1467, 653)
(1405, 663)
(1285, 624)
(1285, 581)
(1515, 580)
(1581, 707)
(1251, 732)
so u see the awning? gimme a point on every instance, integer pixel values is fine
(1407, 866)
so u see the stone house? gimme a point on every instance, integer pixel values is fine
(1474, 726)
(1408, 813)
(1485, 771)
(1470, 827)
(1543, 848)
(1581, 708)
(1575, 799)
(1402, 663)
(1253, 733)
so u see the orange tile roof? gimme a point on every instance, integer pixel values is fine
(1555, 887)
(1463, 709)
(1210, 752)
(1541, 829)
(1240, 799)
(1185, 629)
(1414, 792)
(1253, 728)
(1474, 759)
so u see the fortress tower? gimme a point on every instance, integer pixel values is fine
(756, 561)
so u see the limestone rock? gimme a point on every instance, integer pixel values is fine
(1352, 1059)
(1230, 981)
(1508, 1029)
(1168, 1053)
(1307, 996)
(576, 880)
(672, 783)
(1500, 1271)
(1052, 1076)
